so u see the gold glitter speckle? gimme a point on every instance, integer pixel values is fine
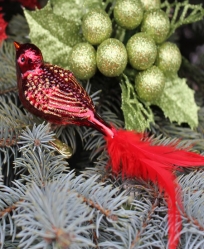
(96, 26)
(141, 50)
(128, 13)
(156, 23)
(150, 84)
(111, 57)
(169, 58)
(83, 60)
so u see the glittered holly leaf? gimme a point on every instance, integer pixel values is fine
(74, 9)
(53, 34)
(177, 102)
(138, 116)
(182, 13)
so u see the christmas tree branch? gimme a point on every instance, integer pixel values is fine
(8, 142)
(9, 209)
(8, 91)
(7, 65)
(145, 223)
(46, 174)
(192, 192)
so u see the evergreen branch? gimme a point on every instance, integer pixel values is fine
(188, 137)
(10, 97)
(105, 212)
(94, 142)
(106, 200)
(102, 209)
(182, 13)
(7, 238)
(194, 222)
(192, 240)
(39, 137)
(9, 199)
(99, 170)
(12, 120)
(6, 158)
(110, 108)
(110, 237)
(11, 114)
(7, 65)
(53, 215)
(9, 209)
(41, 170)
(148, 228)
(94, 95)
(101, 194)
(193, 219)
(145, 223)
(109, 100)
(9, 90)
(8, 142)
(169, 141)
(41, 165)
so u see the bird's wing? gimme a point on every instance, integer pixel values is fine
(57, 92)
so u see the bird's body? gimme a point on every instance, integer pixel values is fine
(54, 94)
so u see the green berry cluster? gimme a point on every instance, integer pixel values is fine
(146, 51)
(107, 54)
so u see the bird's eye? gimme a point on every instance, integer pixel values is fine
(22, 59)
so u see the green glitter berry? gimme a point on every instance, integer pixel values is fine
(96, 26)
(156, 23)
(82, 60)
(169, 58)
(128, 13)
(151, 4)
(150, 84)
(111, 57)
(141, 50)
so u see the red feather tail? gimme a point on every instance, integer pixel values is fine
(134, 157)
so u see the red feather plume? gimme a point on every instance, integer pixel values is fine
(136, 157)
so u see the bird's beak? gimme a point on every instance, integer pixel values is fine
(17, 45)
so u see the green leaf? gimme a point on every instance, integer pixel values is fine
(74, 9)
(53, 34)
(138, 116)
(177, 102)
(182, 13)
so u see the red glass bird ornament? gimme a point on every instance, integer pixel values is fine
(54, 94)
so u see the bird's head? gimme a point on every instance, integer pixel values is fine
(28, 57)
